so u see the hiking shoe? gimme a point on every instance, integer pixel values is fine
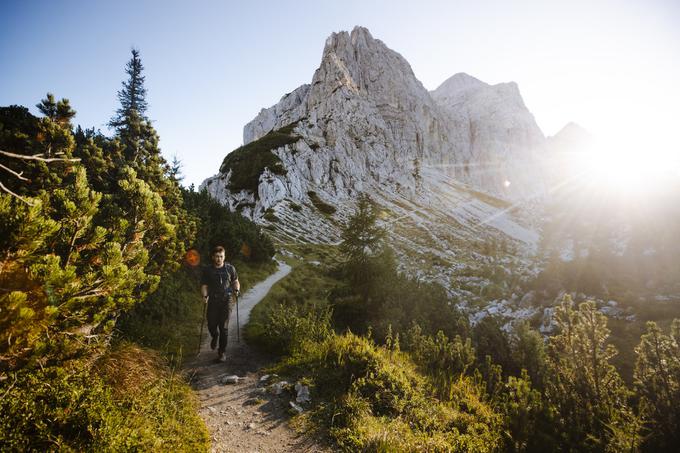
(220, 357)
(213, 343)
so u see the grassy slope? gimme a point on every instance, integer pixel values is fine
(366, 396)
(307, 283)
(249, 161)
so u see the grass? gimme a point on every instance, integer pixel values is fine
(374, 399)
(249, 161)
(127, 400)
(307, 284)
(159, 402)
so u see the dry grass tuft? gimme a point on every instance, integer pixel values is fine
(129, 368)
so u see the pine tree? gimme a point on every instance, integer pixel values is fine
(584, 387)
(174, 169)
(132, 97)
(657, 378)
(136, 147)
(362, 237)
(60, 112)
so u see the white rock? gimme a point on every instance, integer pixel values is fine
(233, 379)
(302, 393)
(277, 388)
(365, 122)
(296, 407)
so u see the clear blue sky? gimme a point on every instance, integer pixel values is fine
(211, 66)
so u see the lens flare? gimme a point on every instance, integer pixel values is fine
(192, 258)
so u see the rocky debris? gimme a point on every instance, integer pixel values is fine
(265, 378)
(297, 408)
(279, 387)
(302, 393)
(230, 380)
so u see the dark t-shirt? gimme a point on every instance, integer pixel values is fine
(219, 280)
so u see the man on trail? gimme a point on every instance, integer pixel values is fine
(219, 282)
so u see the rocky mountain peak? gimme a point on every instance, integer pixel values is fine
(358, 63)
(457, 83)
(572, 133)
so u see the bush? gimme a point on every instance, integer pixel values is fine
(127, 401)
(375, 400)
(241, 237)
(286, 328)
(270, 215)
(168, 320)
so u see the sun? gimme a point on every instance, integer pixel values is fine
(628, 166)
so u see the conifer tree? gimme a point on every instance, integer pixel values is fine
(132, 96)
(657, 379)
(362, 237)
(584, 387)
(136, 145)
(60, 112)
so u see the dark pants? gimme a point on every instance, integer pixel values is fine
(218, 320)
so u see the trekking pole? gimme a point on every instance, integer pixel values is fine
(200, 338)
(238, 327)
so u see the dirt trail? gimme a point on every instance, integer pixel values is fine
(244, 417)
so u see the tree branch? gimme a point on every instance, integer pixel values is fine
(30, 203)
(18, 175)
(38, 157)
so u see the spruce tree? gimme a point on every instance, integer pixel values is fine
(362, 237)
(135, 145)
(132, 97)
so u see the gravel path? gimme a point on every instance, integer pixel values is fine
(244, 417)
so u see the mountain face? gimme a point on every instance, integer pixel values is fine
(502, 137)
(365, 123)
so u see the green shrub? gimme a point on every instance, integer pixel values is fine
(375, 400)
(286, 327)
(241, 237)
(270, 215)
(127, 401)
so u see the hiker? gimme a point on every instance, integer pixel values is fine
(218, 282)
